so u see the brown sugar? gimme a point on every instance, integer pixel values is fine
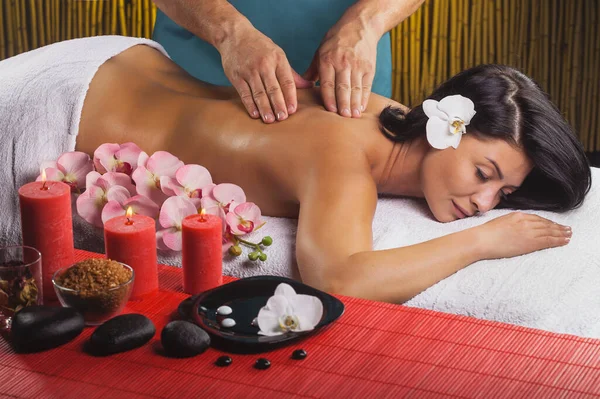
(94, 275)
(99, 289)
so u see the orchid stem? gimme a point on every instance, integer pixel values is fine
(249, 244)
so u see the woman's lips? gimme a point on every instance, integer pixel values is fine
(459, 211)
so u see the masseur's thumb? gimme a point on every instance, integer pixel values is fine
(302, 83)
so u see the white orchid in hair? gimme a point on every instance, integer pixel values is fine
(448, 119)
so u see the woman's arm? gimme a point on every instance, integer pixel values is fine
(334, 240)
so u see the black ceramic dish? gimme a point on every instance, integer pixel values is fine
(246, 297)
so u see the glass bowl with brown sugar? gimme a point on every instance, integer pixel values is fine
(98, 288)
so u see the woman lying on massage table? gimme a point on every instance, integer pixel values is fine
(327, 170)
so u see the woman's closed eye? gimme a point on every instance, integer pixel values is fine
(485, 178)
(481, 175)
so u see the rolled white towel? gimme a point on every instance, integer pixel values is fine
(41, 97)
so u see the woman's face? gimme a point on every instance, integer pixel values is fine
(460, 182)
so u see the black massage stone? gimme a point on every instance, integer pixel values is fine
(121, 333)
(184, 339)
(299, 354)
(262, 364)
(37, 328)
(223, 361)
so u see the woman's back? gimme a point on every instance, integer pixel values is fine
(142, 96)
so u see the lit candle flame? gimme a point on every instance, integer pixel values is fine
(129, 214)
(44, 179)
(202, 213)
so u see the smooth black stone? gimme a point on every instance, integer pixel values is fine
(184, 339)
(262, 364)
(37, 328)
(299, 354)
(223, 361)
(121, 333)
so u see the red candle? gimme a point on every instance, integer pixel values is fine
(131, 239)
(47, 225)
(202, 253)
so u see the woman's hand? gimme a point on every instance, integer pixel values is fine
(519, 233)
(345, 66)
(261, 74)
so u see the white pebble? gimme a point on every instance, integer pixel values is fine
(224, 310)
(228, 323)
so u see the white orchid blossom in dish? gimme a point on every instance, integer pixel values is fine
(287, 311)
(448, 119)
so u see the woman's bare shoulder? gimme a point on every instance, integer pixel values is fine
(377, 103)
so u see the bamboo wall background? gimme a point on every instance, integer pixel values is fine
(557, 42)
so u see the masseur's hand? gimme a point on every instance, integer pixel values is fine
(520, 233)
(261, 74)
(345, 66)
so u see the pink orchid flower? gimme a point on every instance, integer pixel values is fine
(208, 189)
(139, 204)
(100, 189)
(189, 182)
(244, 218)
(172, 213)
(150, 172)
(71, 168)
(222, 198)
(111, 157)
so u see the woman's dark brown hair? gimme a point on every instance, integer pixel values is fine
(510, 106)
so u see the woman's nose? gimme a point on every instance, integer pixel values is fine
(484, 200)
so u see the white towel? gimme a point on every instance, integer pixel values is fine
(41, 97)
(555, 289)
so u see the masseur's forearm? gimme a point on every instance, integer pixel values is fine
(396, 275)
(380, 15)
(214, 21)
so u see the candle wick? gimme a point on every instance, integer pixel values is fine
(129, 222)
(44, 186)
(202, 218)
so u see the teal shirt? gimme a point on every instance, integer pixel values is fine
(297, 26)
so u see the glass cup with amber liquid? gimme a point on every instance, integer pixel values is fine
(20, 281)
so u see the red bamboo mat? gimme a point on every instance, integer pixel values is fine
(375, 350)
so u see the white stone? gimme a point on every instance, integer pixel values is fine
(228, 323)
(224, 310)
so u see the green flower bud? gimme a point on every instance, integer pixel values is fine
(262, 257)
(266, 241)
(235, 250)
(253, 255)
